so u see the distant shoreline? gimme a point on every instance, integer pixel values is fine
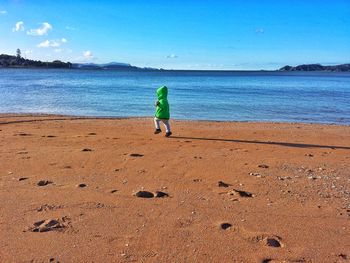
(182, 70)
(8, 61)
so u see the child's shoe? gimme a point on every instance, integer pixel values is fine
(157, 131)
(168, 134)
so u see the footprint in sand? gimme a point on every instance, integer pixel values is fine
(263, 166)
(160, 194)
(49, 225)
(144, 194)
(225, 226)
(86, 150)
(222, 184)
(22, 178)
(270, 260)
(44, 182)
(265, 239)
(147, 194)
(240, 193)
(136, 155)
(22, 134)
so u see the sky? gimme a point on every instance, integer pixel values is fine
(192, 34)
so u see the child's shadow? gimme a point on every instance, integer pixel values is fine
(288, 144)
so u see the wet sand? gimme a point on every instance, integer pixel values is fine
(109, 190)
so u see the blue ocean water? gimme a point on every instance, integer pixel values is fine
(237, 96)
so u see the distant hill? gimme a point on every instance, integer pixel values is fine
(7, 61)
(317, 67)
(111, 65)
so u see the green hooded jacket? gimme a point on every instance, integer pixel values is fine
(162, 110)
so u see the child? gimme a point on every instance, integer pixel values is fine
(162, 111)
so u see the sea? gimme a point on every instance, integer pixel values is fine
(302, 97)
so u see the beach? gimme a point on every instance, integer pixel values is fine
(77, 189)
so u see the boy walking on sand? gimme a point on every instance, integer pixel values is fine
(162, 111)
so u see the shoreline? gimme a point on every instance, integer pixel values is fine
(86, 117)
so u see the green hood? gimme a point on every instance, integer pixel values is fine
(162, 110)
(162, 93)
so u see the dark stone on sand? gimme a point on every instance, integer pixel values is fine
(272, 242)
(22, 178)
(161, 194)
(113, 191)
(222, 184)
(144, 194)
(43, 182)
(51, 136)
(225, 226)
(91, 133)
(86, 150)
(263, 166)
(82, 185)
(136, 155)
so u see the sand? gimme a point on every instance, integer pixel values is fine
(213, 192)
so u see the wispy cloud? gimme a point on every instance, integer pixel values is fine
(18, 27)
(3, 12)
(28, 52)
(71, 28)
(259, 31)
(172, 56)
(41, 31)
(88, 54)
(52, 43)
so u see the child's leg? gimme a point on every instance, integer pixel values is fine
(156, 123)
(167, 125)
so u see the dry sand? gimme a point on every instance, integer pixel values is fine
(237, 192)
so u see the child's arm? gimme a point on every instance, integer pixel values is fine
(156, 103)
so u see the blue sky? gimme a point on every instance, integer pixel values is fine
(179, 34)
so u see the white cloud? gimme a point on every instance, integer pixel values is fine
(52, 43)
(18, 27)
(88, 54)
(41, 31)
(172, 56)
(3, 12)
(58, 50)
(49, 43)
(259, 31)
